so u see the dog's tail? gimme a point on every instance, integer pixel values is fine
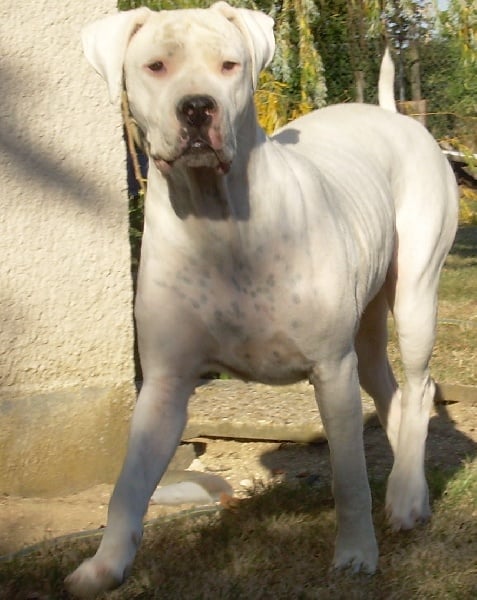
(386, 83)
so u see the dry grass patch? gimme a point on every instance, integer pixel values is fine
(454, 359)
(455, 356)
(278, 544)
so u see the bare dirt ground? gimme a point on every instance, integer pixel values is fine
(26, 521)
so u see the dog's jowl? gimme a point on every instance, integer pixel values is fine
(275, 259)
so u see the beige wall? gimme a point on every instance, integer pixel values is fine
(65, 292)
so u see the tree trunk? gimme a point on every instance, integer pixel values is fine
(360, 83)
(415, 74)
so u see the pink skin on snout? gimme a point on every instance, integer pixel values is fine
(198, 148)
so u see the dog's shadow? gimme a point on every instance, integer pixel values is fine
(287, 137)
(447, 449)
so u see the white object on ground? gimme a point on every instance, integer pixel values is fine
(185, 492)
(197, 488)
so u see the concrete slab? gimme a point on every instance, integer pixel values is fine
(239, 410)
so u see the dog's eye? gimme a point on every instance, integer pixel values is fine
(156, 67)
(229, 65)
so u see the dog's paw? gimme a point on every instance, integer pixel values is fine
(357, 553)
(407, 515)
(357, 560)
(92, 578)
(407, 502)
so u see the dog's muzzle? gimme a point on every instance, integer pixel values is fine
(200, 144)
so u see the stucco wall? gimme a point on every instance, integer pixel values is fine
(65, 288)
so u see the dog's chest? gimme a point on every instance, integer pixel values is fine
(257, 323)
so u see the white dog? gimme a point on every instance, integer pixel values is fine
(273, 259)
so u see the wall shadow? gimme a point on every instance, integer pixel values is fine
(34, 157)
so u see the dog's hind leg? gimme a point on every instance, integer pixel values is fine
(424, 242)
(407, 499)
(375, 373)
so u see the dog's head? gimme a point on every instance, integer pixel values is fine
(189, 76)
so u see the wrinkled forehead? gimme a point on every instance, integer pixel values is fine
(187, 32)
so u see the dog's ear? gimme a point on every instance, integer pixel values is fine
(105, 42)
(257, 28)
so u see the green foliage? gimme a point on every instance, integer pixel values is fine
(163, 4)
(297, 63)
(450, 85)
(460, 22)
(331, 35)
(345, 46)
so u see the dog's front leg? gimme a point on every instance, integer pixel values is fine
(338, 396)
(157, 424)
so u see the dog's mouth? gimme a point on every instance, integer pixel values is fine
(196, 154)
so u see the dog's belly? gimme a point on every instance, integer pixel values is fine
(272, 326)
(276, 359)
(269, 338)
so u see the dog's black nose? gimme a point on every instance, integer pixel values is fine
(196, 110)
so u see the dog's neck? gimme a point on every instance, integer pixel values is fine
(205, 193)
(200, 192)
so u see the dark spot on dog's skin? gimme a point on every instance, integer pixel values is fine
(296, 298)
(231, 330)
(271, 280)
(203, 299)
(235, 283)
(185, 279)
(236, 310)
(295, 324)
(195, 304)
(177, 291)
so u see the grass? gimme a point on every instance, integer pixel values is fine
(455, 353)
(278, 544)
